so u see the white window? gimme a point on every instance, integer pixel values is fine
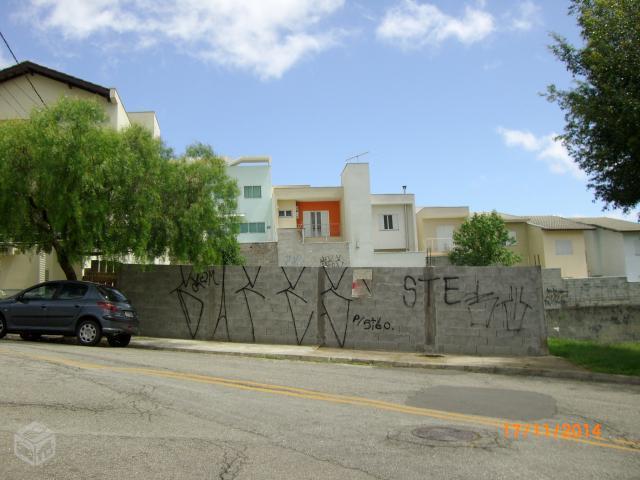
(252, 227)
(285, 213)
(316, 224)
(388, 221)
(252, 191)
(444, 238)
(564, 247)
(513, 237)
(637, 242)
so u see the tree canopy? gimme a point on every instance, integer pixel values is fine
(602, 110)
(72, 185)
(482, 240)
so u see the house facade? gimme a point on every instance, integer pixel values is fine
(255, 201)
(435, 226)
(545, 241)
(345, 225)
(17, 99)
(613, 248)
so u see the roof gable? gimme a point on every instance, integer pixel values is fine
(25, 68)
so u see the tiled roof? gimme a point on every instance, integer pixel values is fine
(551, 222)
(611, 224)
(512, 218)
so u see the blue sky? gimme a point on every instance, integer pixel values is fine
(443, 94)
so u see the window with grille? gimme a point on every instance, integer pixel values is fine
(252, 227)
(253, 191)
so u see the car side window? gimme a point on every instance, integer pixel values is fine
(72, 291)
(43, 292)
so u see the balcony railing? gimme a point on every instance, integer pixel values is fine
(439, 244)
(322, 231)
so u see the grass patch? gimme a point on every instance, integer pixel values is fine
(620, 358)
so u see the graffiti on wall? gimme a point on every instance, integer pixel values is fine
(483, 307)
(555, 296)
(338, 322)
(300, 330)
(236, 295)
(191, 306)
(249, 287)
(332, 261)
(293, 261)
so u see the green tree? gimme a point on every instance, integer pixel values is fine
(483, 240)
(602, 110)
(72, 185)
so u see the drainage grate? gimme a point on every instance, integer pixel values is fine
(446, 434)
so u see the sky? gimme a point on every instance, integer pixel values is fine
(445, 96)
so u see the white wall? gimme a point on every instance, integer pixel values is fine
(146, 120)
(357, 214)
(399, 259)
(255, 209)
(395, 239)
(632, 256)
(604, 250)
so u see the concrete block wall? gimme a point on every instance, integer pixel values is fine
(260, 253)
(610, 324)
(604, 309)
(402, 309)
(382, 321)
(293, 253)
(488, 310)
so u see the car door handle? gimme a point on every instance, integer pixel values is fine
(77, 306)
(43, 306)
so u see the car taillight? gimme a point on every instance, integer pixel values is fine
(110, 307)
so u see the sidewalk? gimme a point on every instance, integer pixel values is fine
(548, 366)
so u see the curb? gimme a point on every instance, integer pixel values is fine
(537, 372)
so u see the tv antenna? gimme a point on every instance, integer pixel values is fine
(356, 157)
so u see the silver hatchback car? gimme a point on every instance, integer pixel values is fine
(71, 308)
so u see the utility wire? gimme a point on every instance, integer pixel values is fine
(16, 60)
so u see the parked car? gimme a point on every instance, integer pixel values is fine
(71, 308)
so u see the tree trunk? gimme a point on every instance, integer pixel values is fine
(65, 264)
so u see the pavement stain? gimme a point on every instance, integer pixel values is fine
(490, 402)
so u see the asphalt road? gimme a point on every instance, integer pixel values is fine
(127, 413)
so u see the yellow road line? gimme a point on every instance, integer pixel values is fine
(321, 396)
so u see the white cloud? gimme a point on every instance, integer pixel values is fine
(526, 16)
(547, 149)
(266, 37)
(414, 24)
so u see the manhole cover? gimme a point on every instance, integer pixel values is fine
(446, 434)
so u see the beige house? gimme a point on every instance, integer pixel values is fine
(613, 248)
(435, 227)
(550, 242)
(547, 241)
(26, 86)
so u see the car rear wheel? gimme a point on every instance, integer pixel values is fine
(89, 333)
(121, 340)
(30, 337)
(3, 327)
